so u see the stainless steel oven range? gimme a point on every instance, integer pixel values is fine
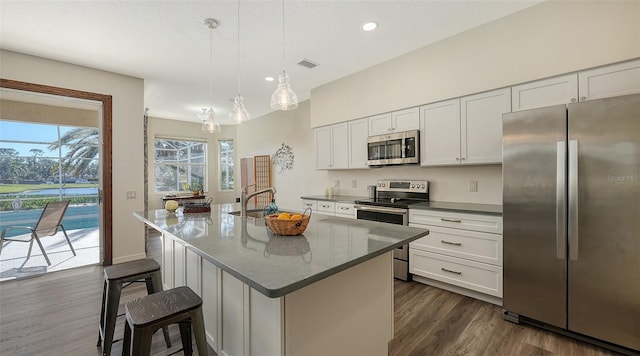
(391, 205)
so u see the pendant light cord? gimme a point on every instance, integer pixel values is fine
(211, 66)
(238, 47)
(282, 35)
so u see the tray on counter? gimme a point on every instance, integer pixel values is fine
(190, 207)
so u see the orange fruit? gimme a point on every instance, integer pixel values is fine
(296, 217)
(284, 216)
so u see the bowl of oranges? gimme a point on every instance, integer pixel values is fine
(288, 223)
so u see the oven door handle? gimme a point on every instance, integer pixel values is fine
(380, 209)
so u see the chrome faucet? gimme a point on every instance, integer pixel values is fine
(244, 197)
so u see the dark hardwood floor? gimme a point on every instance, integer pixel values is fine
(58, 313)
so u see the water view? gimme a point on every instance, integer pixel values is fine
(56, 191)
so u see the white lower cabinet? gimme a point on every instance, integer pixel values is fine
(326, 207)
(193, 263)
(462, 253)
(210, 305)
(240, 321)
(323, 207)
(167, 262)
(307, 203)
(345, 210)
(179, 265)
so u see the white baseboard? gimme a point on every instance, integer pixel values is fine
(464, 291)
(128, 258)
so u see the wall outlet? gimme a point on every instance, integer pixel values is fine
(473, 186)
(336, 184)
(131, 194)
(354, 184)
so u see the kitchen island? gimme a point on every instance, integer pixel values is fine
(328, 291)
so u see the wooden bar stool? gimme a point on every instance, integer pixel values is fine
(147, 314)
(147, 270)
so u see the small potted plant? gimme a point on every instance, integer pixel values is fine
(195, 188)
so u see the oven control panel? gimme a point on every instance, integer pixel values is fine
(412, 186)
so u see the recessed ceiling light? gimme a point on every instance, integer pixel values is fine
(369, 26)
(269, 79)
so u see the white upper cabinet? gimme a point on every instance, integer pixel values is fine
(612, 80)
(340, 146)
(332, 146)
(467, 130)
(380, 124)
(323, 147)
(481, 126)
(546, 92)
(440, 133)
(405, 120)
(397, 121)
(358, 133)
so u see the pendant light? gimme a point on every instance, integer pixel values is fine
(239, 114)
(283, 98)
(208, 116)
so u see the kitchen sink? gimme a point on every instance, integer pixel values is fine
(252, 213)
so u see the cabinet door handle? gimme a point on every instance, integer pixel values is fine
(573, 100)
(450, 271)
(451, 220)
(583, 98)
(451, 243)
(457, 158)
(343, 208)
(308, 204)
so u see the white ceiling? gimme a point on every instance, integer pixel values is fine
(167, 44)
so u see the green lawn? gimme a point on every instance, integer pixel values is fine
(17, 188)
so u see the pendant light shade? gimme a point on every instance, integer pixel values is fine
(239, 114)
(209, 123)
(208, 116)
(284, 98)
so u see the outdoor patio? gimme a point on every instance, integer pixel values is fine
(14, 263)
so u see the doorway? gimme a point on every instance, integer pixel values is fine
(81, 172)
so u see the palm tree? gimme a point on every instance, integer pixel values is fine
(84, 147)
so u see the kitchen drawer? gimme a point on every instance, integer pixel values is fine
(313, 204)
(470, 245)
(326, 207)
(481, 277)
(466, 221)
(345, 210)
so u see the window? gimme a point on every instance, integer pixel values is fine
(180, 165)
(226, 165)
(42, 162)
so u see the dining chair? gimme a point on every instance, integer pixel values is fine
(47, 225)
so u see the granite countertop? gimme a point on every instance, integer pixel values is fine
(335, 198)
(277, 265)
(459, 207)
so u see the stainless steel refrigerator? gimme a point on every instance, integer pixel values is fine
(571, 194)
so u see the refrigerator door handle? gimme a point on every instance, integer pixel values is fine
(561, 216)
(573, 200)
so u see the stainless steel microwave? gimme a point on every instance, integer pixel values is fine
(394, 148)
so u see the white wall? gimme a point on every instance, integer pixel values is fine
(266, 134)
(128, 106)
(548, 39)
(189, 131)
(552, 38)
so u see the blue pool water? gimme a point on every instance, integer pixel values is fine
(76, 217)
(56, 191)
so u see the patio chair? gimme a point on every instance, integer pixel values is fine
(47, 225)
